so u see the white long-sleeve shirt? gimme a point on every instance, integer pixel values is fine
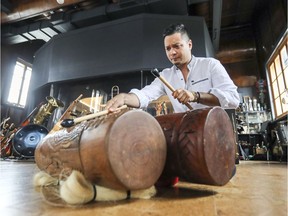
(205, 75)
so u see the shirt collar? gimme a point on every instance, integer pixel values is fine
(190, 64)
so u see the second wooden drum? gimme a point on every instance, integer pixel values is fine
(200, 146)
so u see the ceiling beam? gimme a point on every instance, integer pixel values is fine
(196, 1)
(6, 6)
(217, 11)
(31, 8)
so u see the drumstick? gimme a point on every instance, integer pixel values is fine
(70, 122)
(156, 74)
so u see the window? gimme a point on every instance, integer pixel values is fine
(20, 84)
(277, 69)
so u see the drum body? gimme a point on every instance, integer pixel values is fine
(200, 146)
(126, 150)
(27, 138)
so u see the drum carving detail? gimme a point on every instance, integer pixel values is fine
(125, 150)
(200, 146)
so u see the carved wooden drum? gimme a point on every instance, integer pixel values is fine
(200, 146)
(126, 150)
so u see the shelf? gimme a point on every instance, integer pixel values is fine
(250, 134)
(251, 112)
(252, 120)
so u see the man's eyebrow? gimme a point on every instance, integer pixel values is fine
(178, 43)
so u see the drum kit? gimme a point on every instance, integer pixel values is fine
(130, 149)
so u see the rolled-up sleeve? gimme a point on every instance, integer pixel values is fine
(143, 99)
(223, 87)
(227, 99)
(149, 93)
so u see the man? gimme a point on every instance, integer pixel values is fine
(201, 82)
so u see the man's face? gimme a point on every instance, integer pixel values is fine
(178, 49)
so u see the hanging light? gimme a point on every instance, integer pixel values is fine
(60, 1)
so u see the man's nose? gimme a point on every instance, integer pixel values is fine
(172, 50)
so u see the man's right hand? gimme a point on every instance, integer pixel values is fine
(115, 102)
(121, 99)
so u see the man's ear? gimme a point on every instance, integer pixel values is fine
(190, 44)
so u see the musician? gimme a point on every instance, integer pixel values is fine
(201, 82)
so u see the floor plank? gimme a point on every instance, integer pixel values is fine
(258, 188)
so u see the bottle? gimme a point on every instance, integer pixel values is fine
(258, 107)
(255, 104)
(250, 105)
(244, 107)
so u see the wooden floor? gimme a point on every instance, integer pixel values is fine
(258, 188)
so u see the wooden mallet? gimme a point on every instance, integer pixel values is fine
(70, 122)
(156, 74)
